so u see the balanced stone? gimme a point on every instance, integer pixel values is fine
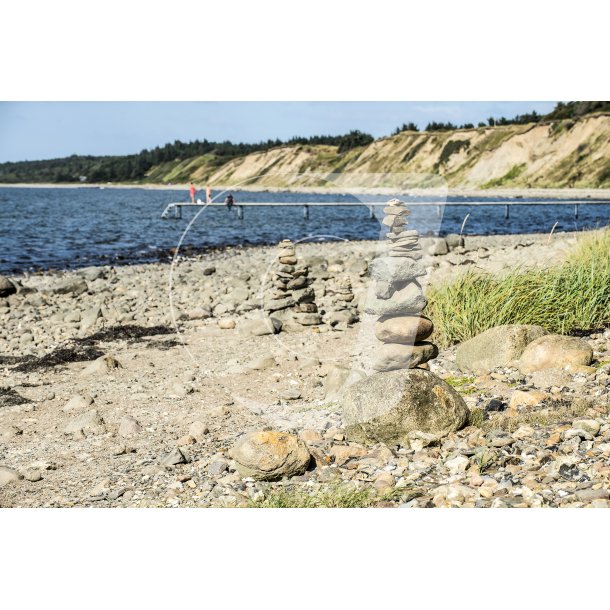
(397, 297)
(403, 329)
(395, 356)
(408, 299)
(292, 292)
(395, 270)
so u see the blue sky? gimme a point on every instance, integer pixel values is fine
(43, 130)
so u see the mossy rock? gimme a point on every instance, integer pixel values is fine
(399, 406)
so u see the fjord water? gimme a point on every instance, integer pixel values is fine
(42, 228)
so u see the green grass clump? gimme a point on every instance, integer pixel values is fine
(461, 384)
(476, 417)
(339, 496)
(563, 299)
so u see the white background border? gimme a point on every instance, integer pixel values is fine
(271, 50)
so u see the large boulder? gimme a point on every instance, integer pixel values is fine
(555, 351)
(498, 346)
(399, 406)
(6, 287)
(269, 455)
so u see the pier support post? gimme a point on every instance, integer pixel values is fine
(506, 211)
(178, 211)
(576, 210)
(371, 212)
(438, 211)
(240, 212)
(306, 212)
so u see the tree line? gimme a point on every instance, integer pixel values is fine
(562, 110)
(126, 168)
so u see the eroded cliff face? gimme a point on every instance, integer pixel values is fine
(569, 153)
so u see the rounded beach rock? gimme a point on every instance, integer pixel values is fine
(498, 346)
(403, 329)
(399, 406)
(269, 455)
(555, 351)
(394, 356)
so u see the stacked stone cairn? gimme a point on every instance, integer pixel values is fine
(398, 299)
(291, 297)
(343, 307)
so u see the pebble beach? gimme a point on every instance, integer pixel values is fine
(135, 385)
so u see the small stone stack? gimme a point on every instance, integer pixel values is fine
(343, 296)
(398, 299)
(291, 292)
(343, 306)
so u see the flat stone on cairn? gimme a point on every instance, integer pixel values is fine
(290, 288)
(398, 297)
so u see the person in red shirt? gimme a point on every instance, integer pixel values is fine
(192, 191)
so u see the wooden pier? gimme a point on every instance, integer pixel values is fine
(239, 207)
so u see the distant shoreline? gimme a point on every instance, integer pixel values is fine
(560, 193)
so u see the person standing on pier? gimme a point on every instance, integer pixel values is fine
(192, 192)
(208, 194)
(229, 201)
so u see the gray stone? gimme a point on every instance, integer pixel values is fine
(198, 430)
(270, 455)
(438, 247)
(290, 394)
(67, 285)
(217, 467)
(174, 457)
(308, 319)
(408, 299)
(344, 316)
(261, 363)
(87, 424)
(260, 326)
(8, 475)
(395, 270)
(496, 347)
(102, 366)
(395, 356)
(399, 406)
(129, 426)
(78, 402)
(454, 240)
(6, 287)
(549, 378)
(93, 273)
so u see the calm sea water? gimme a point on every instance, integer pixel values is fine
(64, 228)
